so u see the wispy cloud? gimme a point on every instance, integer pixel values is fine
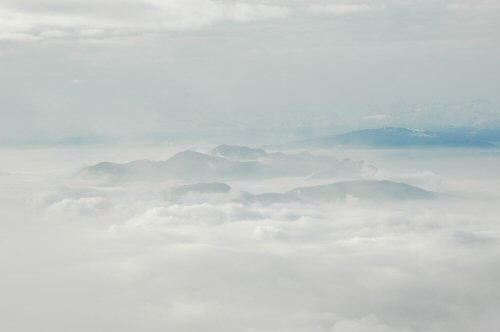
(50, 19)
(338, 9)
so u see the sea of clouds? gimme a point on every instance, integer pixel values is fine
(82, 255)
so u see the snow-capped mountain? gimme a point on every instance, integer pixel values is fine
(392, 137)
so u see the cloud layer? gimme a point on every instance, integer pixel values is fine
(28, 20)
(81, 256)
(49, 19)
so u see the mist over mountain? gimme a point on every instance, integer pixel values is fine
(241, 163)
(370, 190)
(475, 114)
(172, 252)
(201, 190)
(391, 137)
(488, 134)
(227, 162)
(346, 168)
(249, 166)
(365, 190)
(238, 152)
(185, 164)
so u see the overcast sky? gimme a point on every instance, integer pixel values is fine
(206, 69)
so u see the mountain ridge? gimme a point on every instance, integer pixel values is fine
(394, 137)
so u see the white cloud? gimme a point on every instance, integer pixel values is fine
(85, 19)
(132, 261)
(84, 206)
(339, 9)
(269, 233)
(202, 213)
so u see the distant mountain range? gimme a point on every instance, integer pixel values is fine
(372, 190)
(367, 190)
(392, 137)
(241, 163)
(186, 164)
(231, 162)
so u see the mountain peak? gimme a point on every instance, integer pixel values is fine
(395, 137)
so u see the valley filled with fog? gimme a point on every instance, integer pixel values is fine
(232, 238)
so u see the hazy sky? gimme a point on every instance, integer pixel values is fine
(207, 69)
